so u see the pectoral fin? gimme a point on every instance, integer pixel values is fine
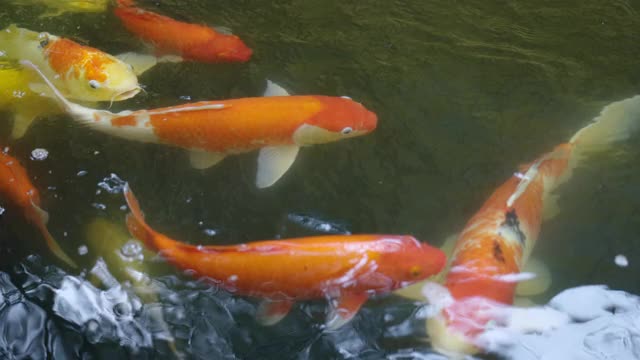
(223, 30)
(203, 159)
(273, 162)
(41, 89)
(139, 62)
(274, 89)
(55, 248)
(43, 215)
(271, 312)
(51, 242)
(550, 207)
(170, 59)
(343, 309)
(538, 284)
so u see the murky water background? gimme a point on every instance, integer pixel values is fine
(465, 92)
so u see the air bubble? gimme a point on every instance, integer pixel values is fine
(99, 206)
(112, 184)
(39, 154)
(621, 260)
(210, 232)
(131, 251)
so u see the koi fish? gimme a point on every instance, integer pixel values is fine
(81, 72)
(123, 257)
(189, 41)
(496, 242)
(60, 7)
(211, 130)
(16, 189)
(17, 98)
(343, 268)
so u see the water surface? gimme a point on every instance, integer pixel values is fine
(464, 92)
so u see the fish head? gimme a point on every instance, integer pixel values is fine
(339, 118)
(413, 261)
(222, 48)
(405, 261)
(121, 82)
(109, 81)
(90, 74)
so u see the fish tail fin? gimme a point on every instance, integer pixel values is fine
(80, 113)
(135, 220)
(55, 247)
(616, 122)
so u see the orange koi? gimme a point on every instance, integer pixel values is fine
(211, 130)
(496, 242)
(16, 188)
(346, 269)
(189, 41)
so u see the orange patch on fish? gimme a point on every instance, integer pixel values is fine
(124, 121)
(272, 120)
(65, 55)
(334, 112)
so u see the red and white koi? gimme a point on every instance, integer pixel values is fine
(496, 242)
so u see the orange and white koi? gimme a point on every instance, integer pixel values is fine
(346, 269)
(496, 242)
(211, 130)
(189, 41)
(80, 72)
(17, 189)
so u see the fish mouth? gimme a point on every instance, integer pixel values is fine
(127, 94)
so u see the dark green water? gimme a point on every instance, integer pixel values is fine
(464, 92)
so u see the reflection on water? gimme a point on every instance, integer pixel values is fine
(464, 92)
(589, 322)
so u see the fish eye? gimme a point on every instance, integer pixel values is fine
(346, 131)
(95, 84)
(415, 271)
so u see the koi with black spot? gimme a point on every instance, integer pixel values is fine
(494, 245)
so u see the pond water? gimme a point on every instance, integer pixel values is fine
(465, 92)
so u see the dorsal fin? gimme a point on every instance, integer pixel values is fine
(206, 106)
(274, 89)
